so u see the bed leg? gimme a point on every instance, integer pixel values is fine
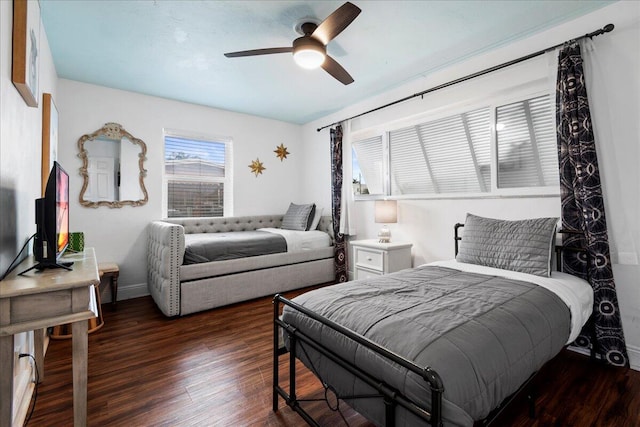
(276, 342)
(293, 400)
(531, 398)
(437, 388)
(389, 413)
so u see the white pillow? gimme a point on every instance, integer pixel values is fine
(316, 219)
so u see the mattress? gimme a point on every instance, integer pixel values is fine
(302, 240)
(484, 334)
(206, 247)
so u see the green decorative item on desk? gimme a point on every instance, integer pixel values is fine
(76, 242)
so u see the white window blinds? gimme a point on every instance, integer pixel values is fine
(449, 155)
(195, 177)
(527, 153)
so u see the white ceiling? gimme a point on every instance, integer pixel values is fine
(174, 49)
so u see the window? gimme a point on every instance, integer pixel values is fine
(367, 166)
(450, 155)
(197, 176)
(527, 151)
(461, 154)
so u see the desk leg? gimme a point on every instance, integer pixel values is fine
(6, 380)
(114, 290)
(80, 346)
(38, 343)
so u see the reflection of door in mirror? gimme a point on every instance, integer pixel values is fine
(103, 167)
(102, 183)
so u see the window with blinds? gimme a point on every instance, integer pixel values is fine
(197, 177)
(450, 155)
(461, 153)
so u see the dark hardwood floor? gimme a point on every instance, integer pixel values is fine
(214, 369)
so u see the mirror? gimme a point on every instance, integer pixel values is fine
(112, 168)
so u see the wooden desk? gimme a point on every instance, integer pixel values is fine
(37, 300)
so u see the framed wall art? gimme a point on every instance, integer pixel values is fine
(49, 136)
(26, 49)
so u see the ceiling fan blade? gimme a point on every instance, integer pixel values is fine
(332, 67)
(336, 22)
(255, 52)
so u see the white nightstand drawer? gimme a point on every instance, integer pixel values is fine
(362, 273)
(369, 258)
(372, 258)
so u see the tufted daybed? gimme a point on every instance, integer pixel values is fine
(181, 289)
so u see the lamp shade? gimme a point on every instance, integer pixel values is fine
(386, 211)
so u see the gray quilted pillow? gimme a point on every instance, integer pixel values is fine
(525, 246)
(298, 217)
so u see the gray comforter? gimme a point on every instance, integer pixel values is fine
(205, 247)
(483, 335)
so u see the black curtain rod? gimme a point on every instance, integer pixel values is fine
(607, 28)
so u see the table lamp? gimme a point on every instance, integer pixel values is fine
(386, 212)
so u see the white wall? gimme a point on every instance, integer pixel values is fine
(119, 235)
(616, 114)
(20, 157)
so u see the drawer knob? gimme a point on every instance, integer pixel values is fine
(368, 258)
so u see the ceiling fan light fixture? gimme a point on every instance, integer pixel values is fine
(308, 52)
(309, 58)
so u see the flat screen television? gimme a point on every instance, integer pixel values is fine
(52, 221)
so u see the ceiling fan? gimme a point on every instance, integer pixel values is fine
(310, 50)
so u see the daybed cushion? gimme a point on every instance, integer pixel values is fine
(298, 217)
(205, 247)
(525, 246)
(302, 240)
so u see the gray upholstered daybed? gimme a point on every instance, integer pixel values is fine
(181, 289)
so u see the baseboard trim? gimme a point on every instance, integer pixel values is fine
(632, 351)
(136, 290)
(579, 350)
(634, 357)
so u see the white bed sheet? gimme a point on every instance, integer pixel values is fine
(576, 293)
(302, 240)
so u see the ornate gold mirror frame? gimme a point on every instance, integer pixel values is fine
(113, 132)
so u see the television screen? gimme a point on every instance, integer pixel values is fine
(52, 220)
(62, 210)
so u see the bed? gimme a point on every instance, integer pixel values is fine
(440, 344)
(196, 264)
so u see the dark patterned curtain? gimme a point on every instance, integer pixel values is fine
(583, 209)
(339, 251)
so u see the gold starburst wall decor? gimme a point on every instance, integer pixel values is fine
(257, 167)
(281, 152)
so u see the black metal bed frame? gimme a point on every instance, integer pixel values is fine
(391, 397)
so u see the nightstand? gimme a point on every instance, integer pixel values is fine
(376, 259)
